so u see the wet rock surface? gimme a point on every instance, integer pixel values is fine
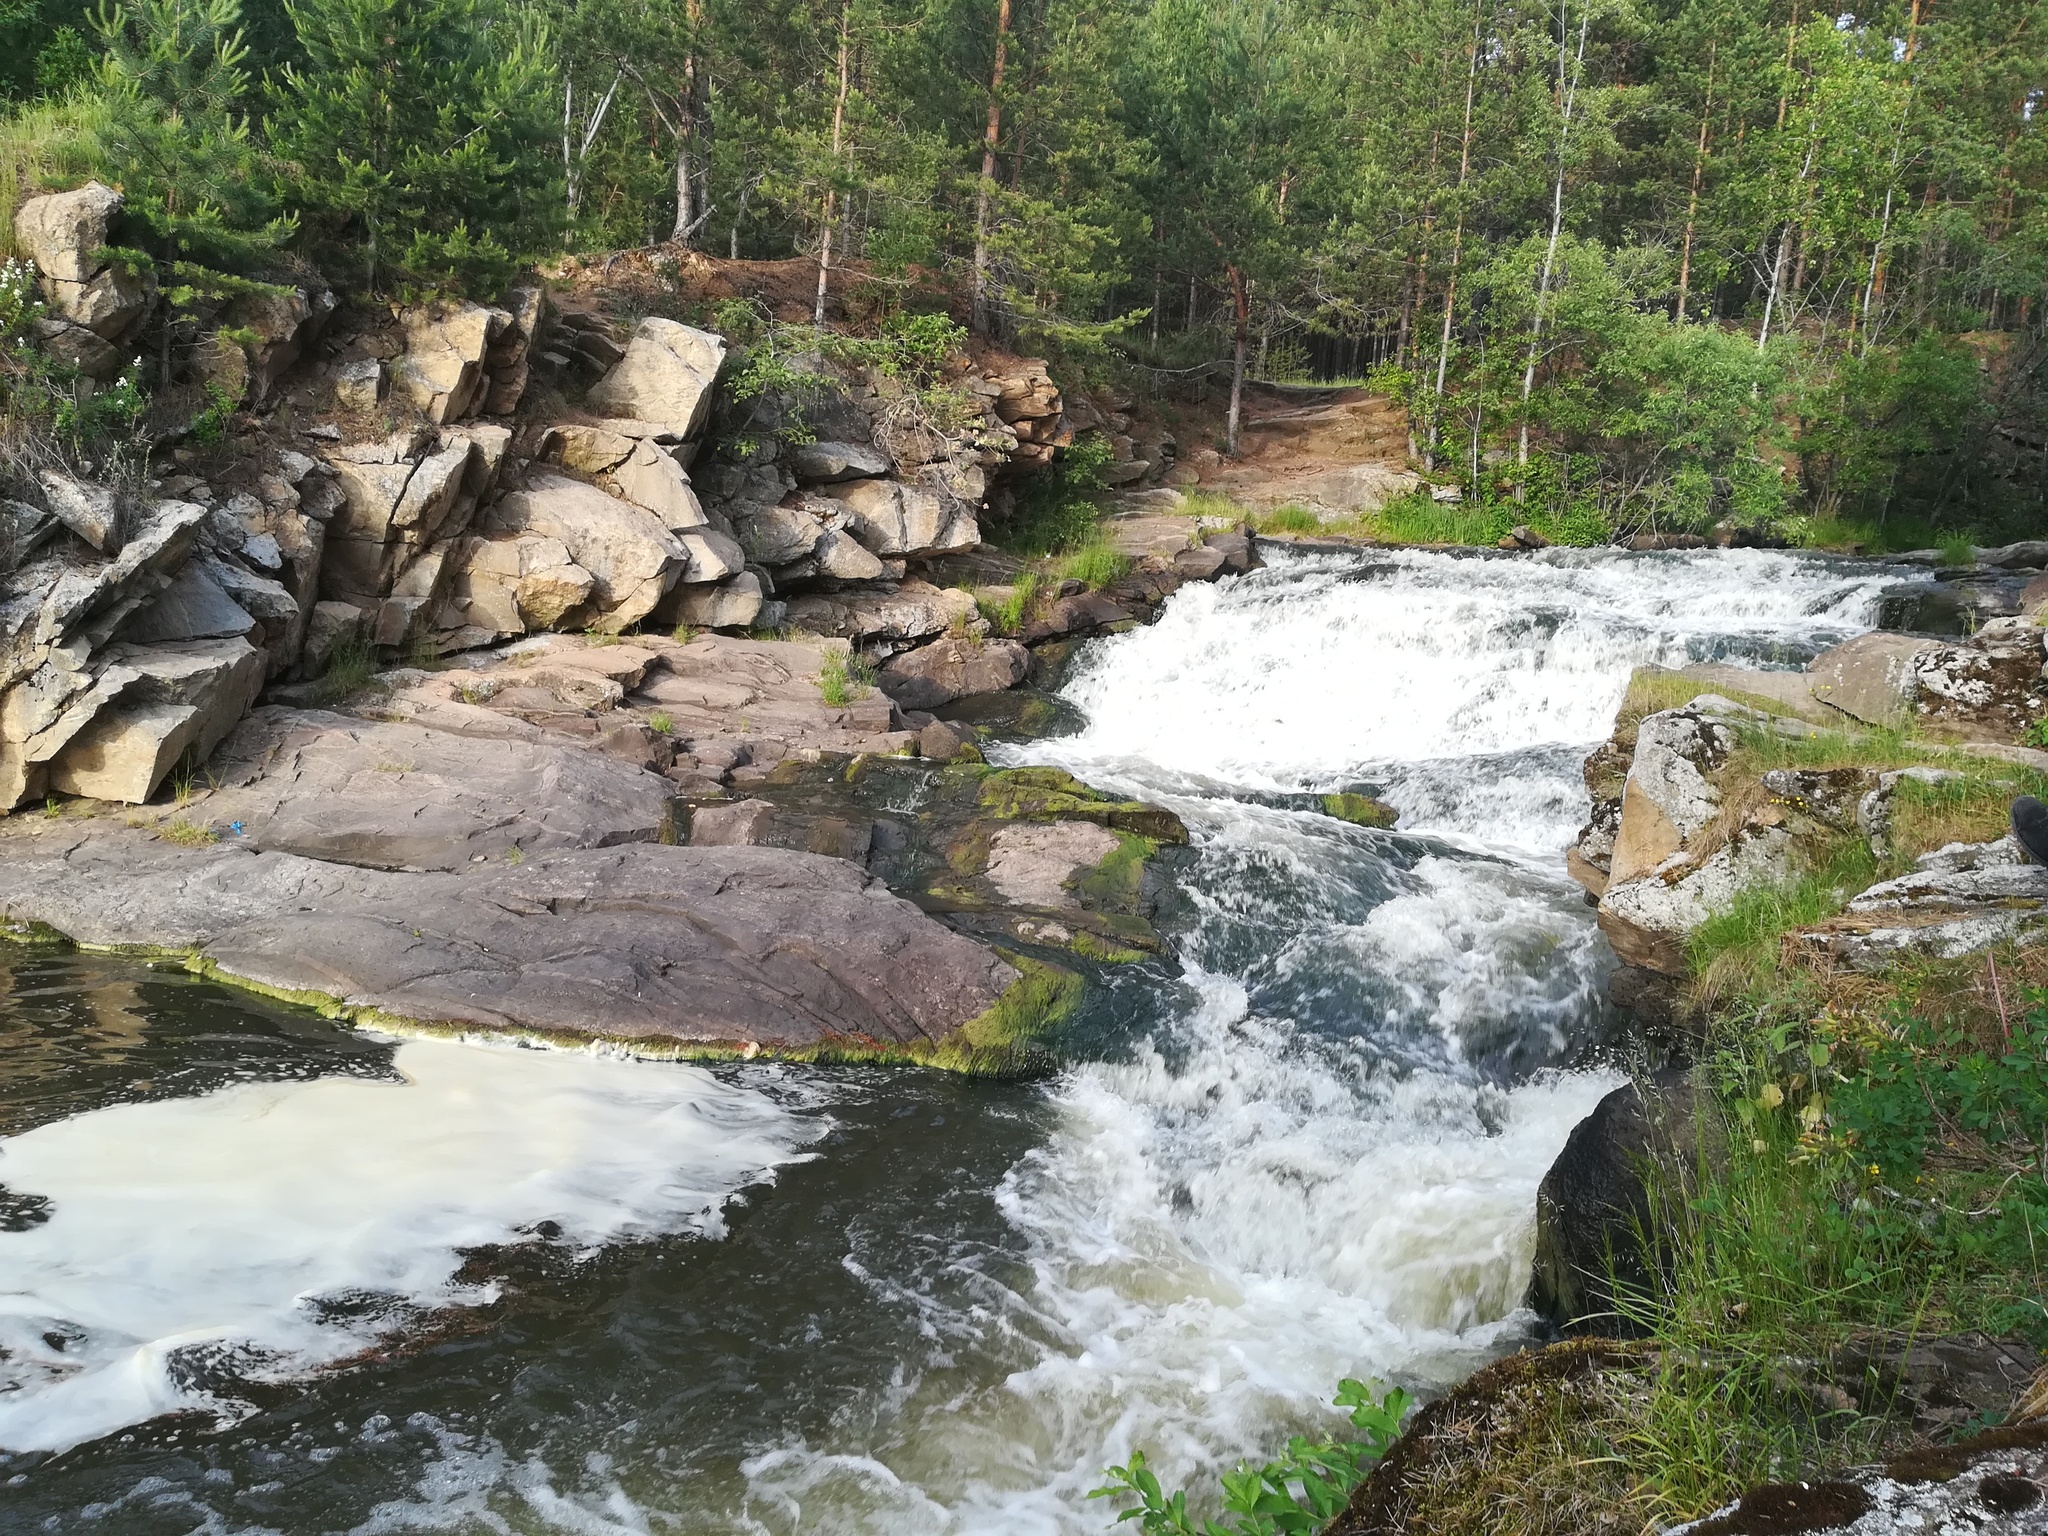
(1640, 1149)
(693, 949)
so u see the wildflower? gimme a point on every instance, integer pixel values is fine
(1875, 1170)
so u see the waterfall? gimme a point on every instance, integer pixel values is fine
(1308, 1152)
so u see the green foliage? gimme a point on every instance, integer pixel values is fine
(210, 425)
(172, 132)
(1093, 562)
(1295, 1495)
(1290, 520)
(417, 133)
(844, 676)
(1009, 615)
(1922, 1078)
(1056, 510)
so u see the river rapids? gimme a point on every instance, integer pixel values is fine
(641, 1297)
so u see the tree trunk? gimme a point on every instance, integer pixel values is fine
(1443, 351)
(832, 192)
(693, 136)
(1240, 295)
(1763, 334)
(991, 135)
(1568, 95)
(1692, 207)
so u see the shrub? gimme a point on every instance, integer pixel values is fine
(1295, 1495)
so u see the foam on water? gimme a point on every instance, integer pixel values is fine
(192, 1234)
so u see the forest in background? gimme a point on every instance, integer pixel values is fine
(1630, 265)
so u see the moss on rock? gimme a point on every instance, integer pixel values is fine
(1360, 810)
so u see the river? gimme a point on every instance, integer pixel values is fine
(642, 1297)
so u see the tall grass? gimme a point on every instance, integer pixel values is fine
(42, 143)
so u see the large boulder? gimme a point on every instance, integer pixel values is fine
(400, 496)
(64, 233)
(1870, 678)
(632, 559)
(1602, 1207)
(821, 463)
(1989, 686)
(893, 519)
(665, 377)
(953, 668)
(175, 702)
(195, 606)
(442, 374)
(395, 796)
(915, 610)
(653, 479)
(717, 950)
(734, 603)
(778, 535)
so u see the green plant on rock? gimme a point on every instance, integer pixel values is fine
(844, 676)
(1295, 1495)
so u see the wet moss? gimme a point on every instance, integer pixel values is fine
(1053, 794)
(1360, 810)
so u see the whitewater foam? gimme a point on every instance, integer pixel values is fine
(268, 1228)
(1414, 668)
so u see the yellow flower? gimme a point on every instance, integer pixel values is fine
(1875, 1170)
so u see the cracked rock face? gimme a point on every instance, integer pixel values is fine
(1956, 901)
(730, 948)
(393, 796)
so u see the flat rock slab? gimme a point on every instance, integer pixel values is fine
(399, 796)
(691, 949)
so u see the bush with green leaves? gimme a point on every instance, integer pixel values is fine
(1296, 1494)
(1056, 510)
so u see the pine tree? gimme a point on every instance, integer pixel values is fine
(423, 129)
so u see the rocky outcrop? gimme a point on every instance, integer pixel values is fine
(665, 377)
(442, 372)
(950, 669)
(1987, 687)
(1679, 854)
(97, 301)
(393, 796)
(663, 949)
(1957, 901)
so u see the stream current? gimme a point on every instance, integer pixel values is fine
(642, 1297)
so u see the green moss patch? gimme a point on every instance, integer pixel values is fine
(1053, 794)
(1360, 810)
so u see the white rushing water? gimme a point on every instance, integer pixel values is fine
(1327, 1164)
(1317, 1156)
(233, 1224)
